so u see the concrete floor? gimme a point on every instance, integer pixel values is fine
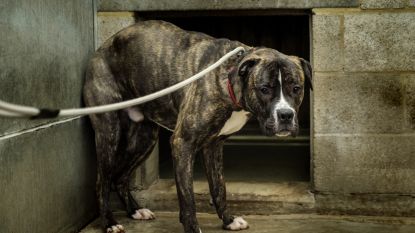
(298, 223)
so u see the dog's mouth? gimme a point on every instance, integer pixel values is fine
(280, 130)
(283, 133)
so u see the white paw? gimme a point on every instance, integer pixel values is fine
(143, 214)
(115, 229)
(238, 224)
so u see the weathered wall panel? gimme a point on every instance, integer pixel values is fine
(364, 164)
(47, 167)
(44, 49)
(363, 137)
(379, 4)
(328, 43)
(47, 179)
(360, 103)
(379, 42)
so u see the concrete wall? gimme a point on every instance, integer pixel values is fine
(364, 118)
(47, 167)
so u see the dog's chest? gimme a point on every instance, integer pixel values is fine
(235, 122)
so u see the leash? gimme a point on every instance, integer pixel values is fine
(20, 111)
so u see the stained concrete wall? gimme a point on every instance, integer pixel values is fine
(47, 167)
(364, 118)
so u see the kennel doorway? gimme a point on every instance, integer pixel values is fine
(248, 155)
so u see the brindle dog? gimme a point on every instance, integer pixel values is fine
(153, 55)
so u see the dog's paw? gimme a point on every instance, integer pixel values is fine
(237, 224)
(143, 214)
(116, 229)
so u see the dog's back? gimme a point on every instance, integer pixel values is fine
(149, 56)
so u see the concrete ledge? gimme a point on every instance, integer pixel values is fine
(366, 204)
(171, 5)
(243, 198)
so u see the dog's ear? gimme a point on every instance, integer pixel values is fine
(308, 72)
(246, 66)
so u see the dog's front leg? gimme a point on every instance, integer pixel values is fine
(213, 162)
(183, 158)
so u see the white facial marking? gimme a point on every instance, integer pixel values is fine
(238, 224)
(235, 122)
(282, 103)
(143, 214)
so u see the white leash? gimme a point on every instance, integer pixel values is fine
(18, 111)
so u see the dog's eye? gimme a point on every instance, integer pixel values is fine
(265, 90)
(296, 89)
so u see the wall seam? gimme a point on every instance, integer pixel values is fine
(312, 131)
(342, 44)
(37, 128)
(404, 86)
(95, 23)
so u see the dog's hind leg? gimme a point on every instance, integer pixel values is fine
(100, 88)
(140, 140)
(107, 134)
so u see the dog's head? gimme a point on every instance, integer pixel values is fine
(273, 89)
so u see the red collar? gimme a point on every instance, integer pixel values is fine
(232, 94)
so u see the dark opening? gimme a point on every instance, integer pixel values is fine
(250, 156)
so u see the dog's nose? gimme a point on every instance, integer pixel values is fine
(285, 115)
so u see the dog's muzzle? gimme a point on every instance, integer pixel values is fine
(284, 125)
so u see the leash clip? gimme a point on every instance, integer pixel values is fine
(240, 53)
